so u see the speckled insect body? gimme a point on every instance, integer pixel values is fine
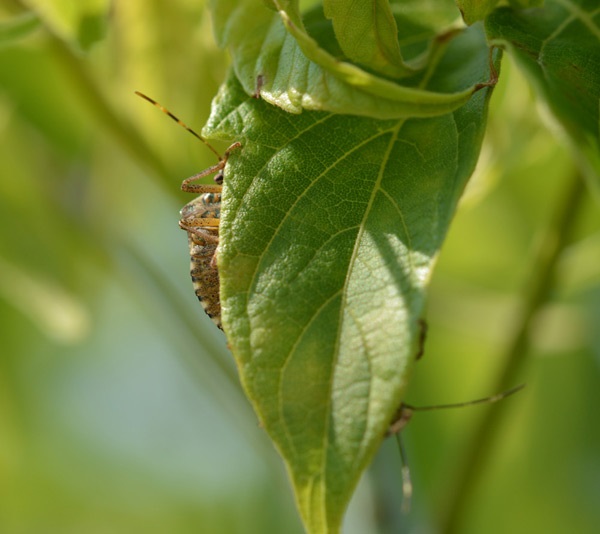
(205, 275)
(200, 218)
(203, 242)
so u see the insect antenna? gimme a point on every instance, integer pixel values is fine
(407, 487)
(485, 400)
(404, 415)
(180, 122)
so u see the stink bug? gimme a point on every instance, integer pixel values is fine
(200, 218)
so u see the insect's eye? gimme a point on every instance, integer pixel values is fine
(219, 178)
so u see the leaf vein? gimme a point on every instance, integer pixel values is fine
(376, 188)
(585, 16)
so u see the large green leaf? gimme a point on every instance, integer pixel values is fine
(330, 228)
(558, 47)
(275, 53)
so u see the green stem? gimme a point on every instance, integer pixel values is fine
(83, 82)
(121, 131)
(536, 291)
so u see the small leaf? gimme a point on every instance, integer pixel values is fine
(330, 228)
(296, 72)
(17, 27)
(367, 33)
(525, 4)
(474, 10)
(80, 23)
(558, 47)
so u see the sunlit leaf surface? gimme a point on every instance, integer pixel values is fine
(330, 228)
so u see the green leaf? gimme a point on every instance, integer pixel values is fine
(525, 4)
(367, 33)
(17, 28)
(474, 10)
(330, 228)
(80, 23)
(558, 47)
(274, 52)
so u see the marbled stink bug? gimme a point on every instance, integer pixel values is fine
(200, 218)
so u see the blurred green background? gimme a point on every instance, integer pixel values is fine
(119, 406)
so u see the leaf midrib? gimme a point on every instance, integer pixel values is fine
(376, 188)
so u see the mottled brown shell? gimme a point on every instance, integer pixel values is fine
(200, 218)
(204, 272)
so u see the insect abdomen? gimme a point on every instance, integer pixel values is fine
(205, 276)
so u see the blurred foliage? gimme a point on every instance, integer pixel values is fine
(119, 406)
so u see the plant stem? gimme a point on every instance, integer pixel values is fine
(536, 291)
(105, 114)
(121, 131)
